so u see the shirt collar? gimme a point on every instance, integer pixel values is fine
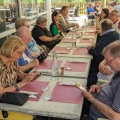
(111, 30)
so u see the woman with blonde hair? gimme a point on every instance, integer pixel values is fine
(10, 52)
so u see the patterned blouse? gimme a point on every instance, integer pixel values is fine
(8, 76)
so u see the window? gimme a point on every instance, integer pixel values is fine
(8, 14)
(29, 9)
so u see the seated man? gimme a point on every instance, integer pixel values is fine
(65, 25)
(96, 7)
(91, 12)
(114, 17)
(26, 62)
(109, 35)
(42, 35)
(32, 45)
(105, 71)
(111, 7)
(116, 7)
(106, 103)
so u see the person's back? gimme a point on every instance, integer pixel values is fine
(109, 36)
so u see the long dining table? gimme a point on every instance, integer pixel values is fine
(67, 100)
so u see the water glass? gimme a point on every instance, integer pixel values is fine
(44, 87)
(47, 95)
(69, 67)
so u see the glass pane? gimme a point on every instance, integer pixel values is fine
(28, 9)
(8, 14)
(41, 6)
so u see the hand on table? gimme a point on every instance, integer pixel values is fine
(34, 55)
(34, 63)
(29, 77)
(89, 47)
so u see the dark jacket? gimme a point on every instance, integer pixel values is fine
(105, 40)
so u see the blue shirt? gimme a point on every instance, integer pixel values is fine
(33, 46)
(109, 95)
(22, 61)
(89, 10)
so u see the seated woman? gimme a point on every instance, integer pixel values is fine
(42, 35)
(104, 15)
(10, 52)
(55, 27)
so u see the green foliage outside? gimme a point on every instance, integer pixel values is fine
(57, 0)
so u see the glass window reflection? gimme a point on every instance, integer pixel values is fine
(8, 14)
(28, 9)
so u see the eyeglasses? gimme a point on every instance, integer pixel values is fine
(108, 63)
(112, 14)
(19, 52)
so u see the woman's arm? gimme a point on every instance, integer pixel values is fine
(28, 77)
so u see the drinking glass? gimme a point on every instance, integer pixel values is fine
(44, 87)
(47, 95)
(69, 67)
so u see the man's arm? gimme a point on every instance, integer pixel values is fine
(103, 108)
(64, 25)
(107, 111)
(103, 68)
(29, 66)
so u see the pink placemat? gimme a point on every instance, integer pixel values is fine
(62, 49)
(46, 65)
(89, 34)
(81, 51)
(34, 87)
(85, 40)
(66, 39)
(91, 28)
(66, 94)
(76, 66)
(70, 33)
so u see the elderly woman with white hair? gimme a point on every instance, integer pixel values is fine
(42, 35)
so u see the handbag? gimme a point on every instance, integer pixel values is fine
(14, 98)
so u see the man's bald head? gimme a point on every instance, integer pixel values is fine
(113, 48)
(24, 33)
(106, 25)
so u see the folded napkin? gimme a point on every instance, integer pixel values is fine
(31, 94)
(62, 52)
(67, 83)
(43, 71)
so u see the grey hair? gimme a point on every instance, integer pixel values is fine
(113, 47)
(115, 11)
(106, 24)
(91, 4)
(41, 19)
